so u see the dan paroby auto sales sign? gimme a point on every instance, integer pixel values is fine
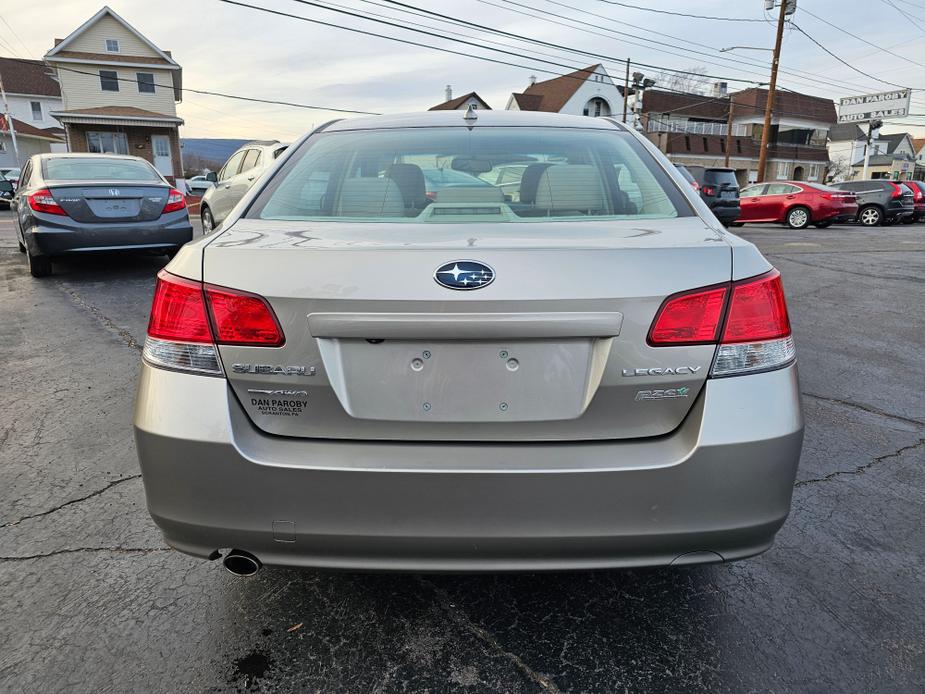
(858, 109)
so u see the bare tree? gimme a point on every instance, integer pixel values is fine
(839, 169)
(691, 81)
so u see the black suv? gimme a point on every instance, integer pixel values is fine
(881, 201)
(718, 188)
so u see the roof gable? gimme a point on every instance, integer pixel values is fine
(454, 104)
(105, 20)
(894, 141)
(552, 95)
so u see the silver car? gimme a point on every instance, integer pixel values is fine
(353, 374)
(234, 179)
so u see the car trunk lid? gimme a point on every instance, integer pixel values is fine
(554, 348)
(116, 202)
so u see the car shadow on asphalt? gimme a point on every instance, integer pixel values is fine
(114, 266)
(581, 631)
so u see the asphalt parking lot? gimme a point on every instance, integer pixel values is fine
(93, 601)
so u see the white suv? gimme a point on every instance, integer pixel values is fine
(235, 179)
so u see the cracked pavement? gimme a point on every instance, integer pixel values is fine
(93, 600)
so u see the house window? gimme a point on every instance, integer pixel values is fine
(782, 169)
(738, 146)
(687, 143)
(107, 143)
(145, 82)
(706, 145)
(36, 110)
(109, 81)
(112, 45)
(722, 145)
(813, 172)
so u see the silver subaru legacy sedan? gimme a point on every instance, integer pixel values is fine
(580, 369)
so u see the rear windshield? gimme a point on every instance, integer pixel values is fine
(720, 176)
(457, 175)
(97, 169)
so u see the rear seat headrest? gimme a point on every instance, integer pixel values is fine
(571, 187)
(370, 197)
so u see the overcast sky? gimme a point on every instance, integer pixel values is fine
(237, 50)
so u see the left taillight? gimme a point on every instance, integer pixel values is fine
(189, 319)
(175, 201)
(43, 201)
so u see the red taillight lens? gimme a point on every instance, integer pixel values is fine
(182, 310)
(243, 319)
(708, 190)
(897, 191)
(42, 201)
(757, 311)
(178, 312)
(689, 318)
(175, 201)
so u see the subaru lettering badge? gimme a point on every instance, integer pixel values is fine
(464, 275)
(114, 192)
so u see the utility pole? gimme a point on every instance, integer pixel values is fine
(626, 89)
(728, 132)
(9, 121)
(772, 88)
(872, 124)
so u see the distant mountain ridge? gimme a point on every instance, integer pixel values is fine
(216, 150)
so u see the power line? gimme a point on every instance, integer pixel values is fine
(203, 92)
(904, 14)
(13, 31)
(796, 74)
(581, 73)
(862, 39)
(541, 42)
(681, 14)
(845, 62)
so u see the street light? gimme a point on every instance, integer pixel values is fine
(745, 48)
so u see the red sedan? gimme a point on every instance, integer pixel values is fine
(796, 204)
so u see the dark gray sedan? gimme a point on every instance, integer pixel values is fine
(69, 204)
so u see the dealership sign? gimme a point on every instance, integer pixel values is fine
(858, 109)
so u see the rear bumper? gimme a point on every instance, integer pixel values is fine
(45, 239)
(718, 488)
(726, 213)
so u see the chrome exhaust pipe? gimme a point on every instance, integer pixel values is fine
(241, 563)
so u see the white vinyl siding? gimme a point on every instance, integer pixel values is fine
(83, 91)
(93, 39)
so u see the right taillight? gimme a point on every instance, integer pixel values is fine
(189, 318)
(748, 319)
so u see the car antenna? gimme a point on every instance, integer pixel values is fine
(471, 116)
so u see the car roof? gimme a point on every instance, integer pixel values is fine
(436, 119)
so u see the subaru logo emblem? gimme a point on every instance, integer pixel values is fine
(464, 275)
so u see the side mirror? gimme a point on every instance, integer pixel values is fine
(212, 177)
(6, 186)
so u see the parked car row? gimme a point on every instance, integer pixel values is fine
(799, 204)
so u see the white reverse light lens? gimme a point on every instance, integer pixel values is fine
(752, 356)
(182, 356)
